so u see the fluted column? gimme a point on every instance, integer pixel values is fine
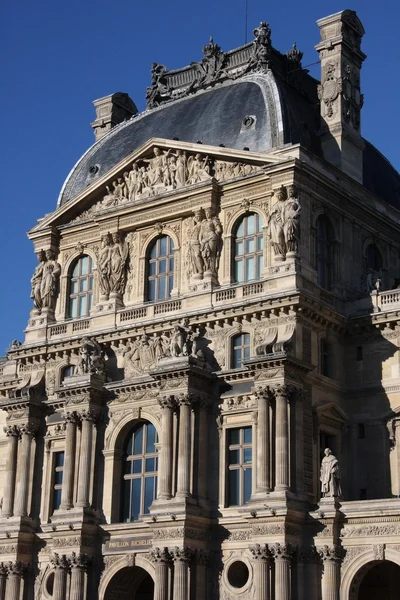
(282, 438)
(24, 467)
(181, 558)
(202, 475)
(281, 553)
(88, 418)
(261, 563)
(184, 446)
(61, 567)
(15, 574)
(263, 476)
(12, 432)
(3, 580)
(167, 404)
(78, 564)
(161, 558)
(331, 572)
(67, 491)
(202, 558)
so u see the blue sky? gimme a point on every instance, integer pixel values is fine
(57, 57)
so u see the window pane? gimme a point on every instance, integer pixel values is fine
(75, 271)
(170, 285)
(90, 301)
(247, 455)
(74, 287)
(162, 266)
(153, 251)
(126, 500)
(239, 231)
(237, 358)
(56, 499)
(135, 504)
(138, 441)
(246, 353)
(247, 485)
(233, 487)
(91, 283)
(250, 245)
(82, 306)
(128, 467)
(161, 289)
(259, 243)
(239, 271)
(233, 436)
(73, 307)
(250, 268)
(251, 225)
(171, 265)
(59, 457)
(258, 223)
(247, 435)
(234, 457)
(137, 466)
(84, 265)
(163, 246)
(246, 339)
(83, 285)
(58, 477)
(148, 493)
(151, 438)
(150, 465)
(260, 263)
(151, 290)
(239, 248)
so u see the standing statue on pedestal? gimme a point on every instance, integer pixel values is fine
(118, 263)
(195, 258)
(291, 221)
(330, 476)
(104, 265)
(36, 281)
(211, 241)
(49, 284)
(275, 225)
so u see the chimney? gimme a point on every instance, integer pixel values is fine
(339, 93)
(110, 111)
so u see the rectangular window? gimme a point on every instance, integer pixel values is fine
(327, 359)
(58, 473)
(239, 458)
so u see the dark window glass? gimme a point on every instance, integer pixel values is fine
(240, 349)
(160, 269)
(324, 252)
(58, 472)
(248, 249)
(81, 288)
(374, 258)
(67, 372)
(239, 456)
(327, 359)
(139, 472)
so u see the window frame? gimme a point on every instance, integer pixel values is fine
(168, 276)
(327, 358)
(325, 276)
(243, 346)
(257, 254)
(88, 293)
(241, 466)
(56, 487)
(126, 508)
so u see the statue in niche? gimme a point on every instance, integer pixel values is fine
(104, 265)
(330, 476)
(91, 358)
(49, 283)
(118, 263)
(36, 281)
(199, 169)
(195, 258)
(211, 241)
(275, 225)
(291, 220)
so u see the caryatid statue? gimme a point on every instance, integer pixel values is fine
(291, 220)
(36, 281)
(118, 264)
(50, 278)
(330, 476)
(211, 241)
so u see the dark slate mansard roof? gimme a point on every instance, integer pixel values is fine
(209, 101)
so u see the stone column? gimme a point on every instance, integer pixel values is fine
(78, 564)
(331, 572)
(181, 558)
(202, 475)
(263, 475)
(12, 432)
(202, 558)
(67, 491)
(3, 580)
(282, 439)
(184, 447)
(281, 554)
(167, 404)
(88, 418)
(161, 558)
(24, 467)
(261, 562)
(15, 574)
(61, 567)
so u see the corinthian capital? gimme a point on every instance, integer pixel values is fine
(28, 429)
(71, 418)
(183, 554)
(59, 561)
(79, 561)
(264, 392)
(260, 552)
(89, 415)
(283, 390)
(16, 568)
(186, 400)
(281, 551)
(167, 402)
(12, 431)
(333, 553)
(160, 555)
(3, 570)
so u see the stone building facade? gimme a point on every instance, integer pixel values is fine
(215, 303)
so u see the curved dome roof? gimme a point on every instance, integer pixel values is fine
(279, 114)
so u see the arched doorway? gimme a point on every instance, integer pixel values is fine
(130, 583)
(381, 581)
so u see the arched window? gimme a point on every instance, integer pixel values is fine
(248, 258)
(81, 288)
(374, 258)
(324, 252)
(67, 371)
(240, 349)
(160, 269)
(139, 471)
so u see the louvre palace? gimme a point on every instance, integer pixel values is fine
(205, 404)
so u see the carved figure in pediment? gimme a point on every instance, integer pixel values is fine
(158, 166)
(91, 358)
(109, 199)
(211, 241)
(199, 168)
(104, 265)
(181, 168)
(133, 182)
(291, 220)
(118, 263)
(50, 279)
(36, 281)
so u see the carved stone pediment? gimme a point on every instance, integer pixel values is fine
(159, 167)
